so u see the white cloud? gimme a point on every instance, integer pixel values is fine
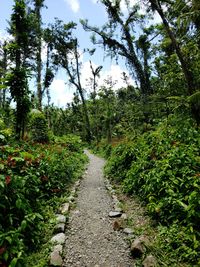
(74, 4)
(4, 36)
(61, 93)
(115, 72)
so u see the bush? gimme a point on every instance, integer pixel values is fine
(163, 168)
(102, 148)
(5, 133)
(72, 142)
(31, 175)
(38, 127)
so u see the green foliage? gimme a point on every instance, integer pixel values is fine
(72, 142)
(5, 133)
(32, 176)
(162, 167)
(38, 126)
(102, 148)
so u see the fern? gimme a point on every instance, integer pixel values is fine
(195, 99)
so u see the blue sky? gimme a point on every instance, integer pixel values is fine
(72, 10)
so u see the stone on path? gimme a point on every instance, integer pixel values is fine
(114, 214)
(59, 239)
(124, 216)
(71, 198)
(65, 208)
(77, 183)
(128, 231)
(150, 261)
(60, 218)
(137, 248)
(59, 228)
(56, 256)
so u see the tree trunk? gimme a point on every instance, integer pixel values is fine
(38, 6)
(80, 90)
(87, 120)
(39, 71)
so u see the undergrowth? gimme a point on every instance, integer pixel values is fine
(33, 179)
(162, 167)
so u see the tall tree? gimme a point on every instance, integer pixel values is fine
(17, 78)
(67, 56)
(95, 75)
(118, 36)
(179, 45)
(38, 28)
(50, 69)
(157, 6)
(3, 70)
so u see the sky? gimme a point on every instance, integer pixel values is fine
(74, 10)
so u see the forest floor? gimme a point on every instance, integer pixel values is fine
(91, 239)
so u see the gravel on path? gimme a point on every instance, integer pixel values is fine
(91, 240)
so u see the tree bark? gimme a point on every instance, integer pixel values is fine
(38, 6)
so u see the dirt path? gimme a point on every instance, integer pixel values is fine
(91, 240)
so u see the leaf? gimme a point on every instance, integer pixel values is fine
(1, 167)
(183, 204)
(23, 225)
(2, 86)
(18, 203)
(195, 98)
(40, 216)
(13, 262)
(9, 239)
(6, 255)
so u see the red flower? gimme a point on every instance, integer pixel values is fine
(8, 179)
(2, 250)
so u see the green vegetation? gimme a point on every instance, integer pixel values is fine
(33, 178)
(38, 127)
(162, 167)
(148, 129)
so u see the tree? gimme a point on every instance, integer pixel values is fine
(3, 70)
(17, 78)
(50, 69)
(124, 45)
(67, 56)
(107, 94)
(38, 29)
(157, 6)
(95, 75)
(185, 59)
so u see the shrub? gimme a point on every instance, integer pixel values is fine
(72, 142)
(31, 175)
(38, 127)
(163, 168)
(5, 133)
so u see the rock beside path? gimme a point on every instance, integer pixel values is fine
(59, 228)
(56, 256)
(58, 239)
(137, 248)
(114, 214)
(128, 231)
(150, 261)
(60, 218)
(65, 208)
